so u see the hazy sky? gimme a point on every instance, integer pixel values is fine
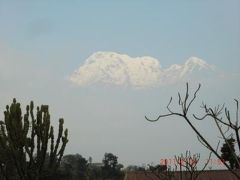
(104, 65)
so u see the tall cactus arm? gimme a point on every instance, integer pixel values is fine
(60, 132)
(46, 130)
(33, 133)
(64, 143)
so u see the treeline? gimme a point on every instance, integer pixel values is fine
(76, 167)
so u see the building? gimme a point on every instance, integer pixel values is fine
(205, 175)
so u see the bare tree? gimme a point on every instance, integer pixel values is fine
(189, 162)
(216, 113)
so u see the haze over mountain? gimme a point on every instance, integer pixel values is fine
(137, 72)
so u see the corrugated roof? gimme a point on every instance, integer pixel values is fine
(205, 175)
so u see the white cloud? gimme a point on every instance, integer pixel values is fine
(137, 72)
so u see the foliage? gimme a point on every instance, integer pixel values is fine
(95, 171)
(134, 168)
(75, 167)
(227, 153)
(111, 169)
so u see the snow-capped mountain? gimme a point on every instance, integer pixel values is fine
(139, 72)
(192, 66)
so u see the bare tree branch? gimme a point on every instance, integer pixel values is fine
(214, 113)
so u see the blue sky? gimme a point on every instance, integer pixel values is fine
(43, 42)
(170, 31)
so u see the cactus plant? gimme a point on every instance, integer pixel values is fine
(27, 140)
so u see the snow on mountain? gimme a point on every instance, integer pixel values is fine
(195, 63)
(137, 72)
(177, 72)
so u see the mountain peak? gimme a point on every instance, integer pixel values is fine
(197, 62)
(108, 67)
